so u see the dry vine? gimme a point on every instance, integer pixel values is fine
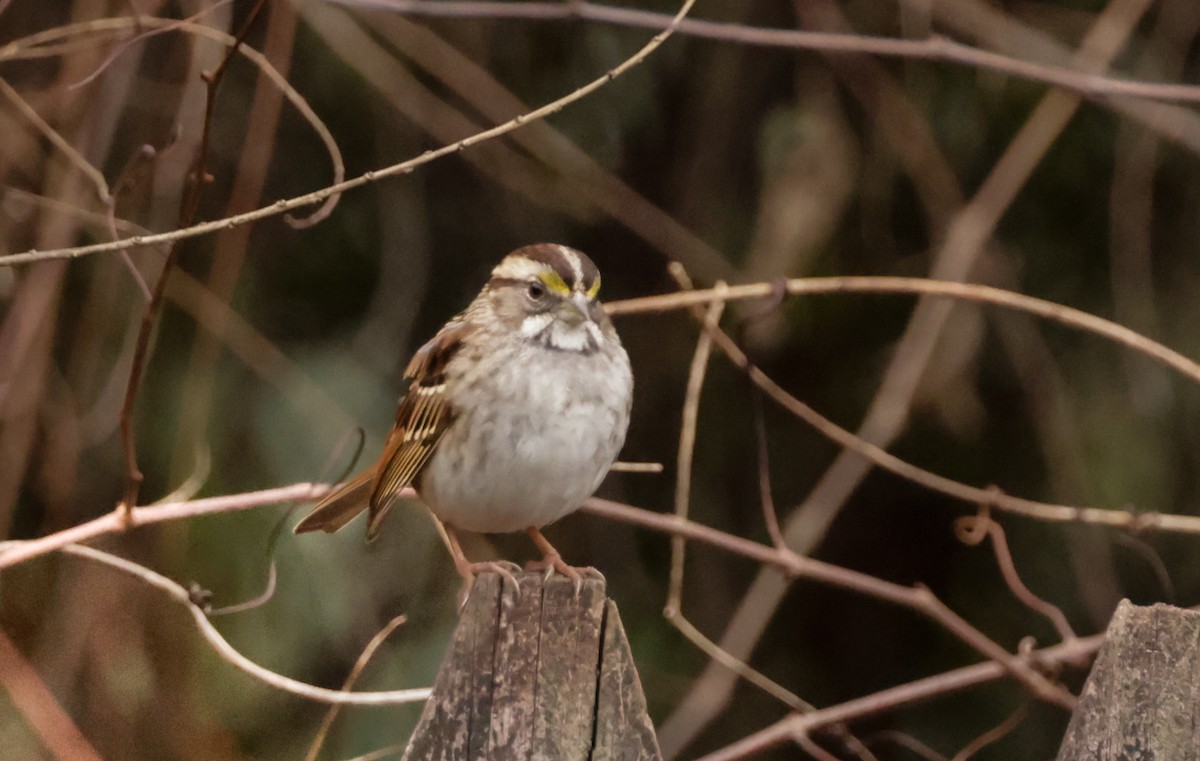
(969, 225)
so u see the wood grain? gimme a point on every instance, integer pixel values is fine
(538, 673)
(1142, 699)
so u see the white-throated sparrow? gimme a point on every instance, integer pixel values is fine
(514, 413)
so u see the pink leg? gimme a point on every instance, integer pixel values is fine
(552, 561)
(469, 570)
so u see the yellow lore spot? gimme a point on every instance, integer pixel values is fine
(554, 282)
(595, 289)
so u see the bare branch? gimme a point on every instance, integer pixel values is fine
(915, 598)
(145, 154)
(739, 667)
(932, 48)
(994, 734)
(318, 196)
(197, 179)
(1074, 652)
(918, 598)
(971, 529)
(74, 157)
(142, 36)
(687, 443)
(359, 665)
(229, 654)
(673, 609)
(15, 552)
(973, 292)
(33, 699)
(991, 497)
(636, 467)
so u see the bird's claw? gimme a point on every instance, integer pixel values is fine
(554, 562)
(469, 571)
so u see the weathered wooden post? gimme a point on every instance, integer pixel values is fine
(1142, 699)
(539, 674)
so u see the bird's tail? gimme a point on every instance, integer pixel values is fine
(340, 506)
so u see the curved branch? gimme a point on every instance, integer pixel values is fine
(14, 552)
(932, 48)
(227, 651)
(898, 697)
(17, 49)
(404, 167)
(916, 598)
(984, 294)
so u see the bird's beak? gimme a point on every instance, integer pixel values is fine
(574, 311)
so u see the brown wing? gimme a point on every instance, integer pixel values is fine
(340, 506)
(422, 418)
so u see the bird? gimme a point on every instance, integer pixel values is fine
(514, 412)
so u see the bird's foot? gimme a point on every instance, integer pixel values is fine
(552, 562)
(469, 571)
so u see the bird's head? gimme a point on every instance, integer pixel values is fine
(548, 293)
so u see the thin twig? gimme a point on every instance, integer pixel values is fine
(318, 196)
(146, 153)
(673, 609)
(932, 48)
(765, 498)
(637, 467)
(991, 497)
(741, 668)
(1154, 560)
(229, 654)
(920, 691)
(251, 604)
(359, 665)
(917, 598)
(770, 514)
(961, 245)
(143, 35)
(15, 552)
(993, 734)
(973, 292)
(806, 743)
(187, 214)
(194, 482)
(971, 529)
(293, 96)
(687, 445)
(907, 742)
(74, 157)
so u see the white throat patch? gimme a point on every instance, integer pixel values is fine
(556, 334)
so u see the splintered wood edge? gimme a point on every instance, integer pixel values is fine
(623, 728)
(539, 674)
(1143, 694)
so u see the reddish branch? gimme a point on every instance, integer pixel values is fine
(198, 177)
(916, 598)
(1073, 652)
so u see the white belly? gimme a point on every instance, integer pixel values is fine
(535, 453)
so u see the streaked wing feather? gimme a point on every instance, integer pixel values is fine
(421, 420)
(339, 507)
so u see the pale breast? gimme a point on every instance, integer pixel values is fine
(535, 432)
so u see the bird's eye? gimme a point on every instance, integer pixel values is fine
(536, 290)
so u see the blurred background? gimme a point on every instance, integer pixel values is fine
(743, 161)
